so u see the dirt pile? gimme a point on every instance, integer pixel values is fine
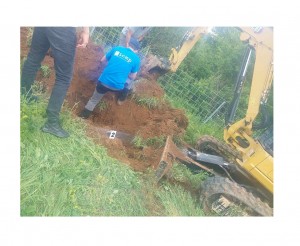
(130, 119)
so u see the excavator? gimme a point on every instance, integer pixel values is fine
(240, 168)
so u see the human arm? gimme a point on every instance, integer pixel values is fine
(132, 76)
(104, 61)
(135, 69)
(83, 37)
(141, 38)
(143, 34)
(128, 37)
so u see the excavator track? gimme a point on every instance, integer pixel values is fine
(211, 145)
(222, 197)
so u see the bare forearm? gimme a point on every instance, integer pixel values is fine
(132, 76)
(81, 29)
(103, 61)
(86, 29)
(84, 35)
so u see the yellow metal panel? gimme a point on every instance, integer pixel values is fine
(270, 175)
(264, 180)
(260, 165)
(258, 156)
(266, 167)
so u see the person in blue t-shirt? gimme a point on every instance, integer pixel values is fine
(122, 66)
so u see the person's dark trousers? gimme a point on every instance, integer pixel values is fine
(122, 95)
(62, 41)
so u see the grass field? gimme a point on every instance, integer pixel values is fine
(75, 177)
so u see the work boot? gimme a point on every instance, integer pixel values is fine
(85, 113)
(54, 128)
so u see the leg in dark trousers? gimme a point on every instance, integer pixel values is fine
(122, 95)
(62, 41)
(63, 47)
(38, 50)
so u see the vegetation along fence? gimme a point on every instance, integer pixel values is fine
(203, 85)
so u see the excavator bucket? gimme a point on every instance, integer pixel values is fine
(172, 153)
(153, 64)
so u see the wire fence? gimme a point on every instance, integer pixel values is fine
(183, 91)
(181, 88)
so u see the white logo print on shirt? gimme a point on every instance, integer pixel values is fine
(124, 57)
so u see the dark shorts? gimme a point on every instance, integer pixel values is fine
(102, 89)
(122, 94)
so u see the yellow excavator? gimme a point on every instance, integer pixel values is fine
(240, 181)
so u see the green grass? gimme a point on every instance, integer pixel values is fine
(177, 201)
(65, 177)
(46, 71)
(175, 197)
(196, 129)
(102, 105)
(183, 174)
(22, 61)
(138, 142)
(29, 35)
(149, 102)
(75, 177)
(157, 142)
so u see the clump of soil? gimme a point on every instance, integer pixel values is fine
(129, 118)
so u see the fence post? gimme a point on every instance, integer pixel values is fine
(209, 117)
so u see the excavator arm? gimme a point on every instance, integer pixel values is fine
(179, 53)
(239, 134)
(262, 79)
(162, 65)
(263, 69)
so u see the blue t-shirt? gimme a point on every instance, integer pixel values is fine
(121, 62)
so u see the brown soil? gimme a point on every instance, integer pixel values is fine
(130, 118)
